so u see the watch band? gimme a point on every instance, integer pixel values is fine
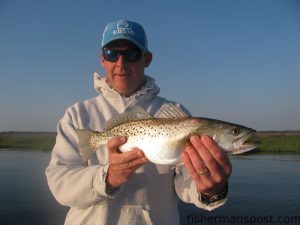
(208, 200)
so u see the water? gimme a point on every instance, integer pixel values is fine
(263, 189)
(24, 197)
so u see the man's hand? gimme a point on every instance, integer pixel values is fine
(122, 165)
(208, 165)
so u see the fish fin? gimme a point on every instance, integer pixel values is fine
(137, 113)
(170, 111)
(86, 150)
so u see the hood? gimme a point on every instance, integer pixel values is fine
(148, 91)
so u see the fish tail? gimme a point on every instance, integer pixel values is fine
(84, 141)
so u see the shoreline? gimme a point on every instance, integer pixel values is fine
(270, 142)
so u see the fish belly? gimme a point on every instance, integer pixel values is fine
(157, 150)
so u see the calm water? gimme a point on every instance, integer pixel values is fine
(261, 187)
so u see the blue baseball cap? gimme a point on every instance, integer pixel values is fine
(126, 30)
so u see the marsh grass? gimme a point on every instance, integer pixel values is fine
(277, 142)
(27, 140)
(269, 142)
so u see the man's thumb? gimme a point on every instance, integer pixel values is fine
(114, 143)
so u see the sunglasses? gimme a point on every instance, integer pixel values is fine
(130, 55)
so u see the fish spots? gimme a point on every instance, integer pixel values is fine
(161, 139)
(153, 128)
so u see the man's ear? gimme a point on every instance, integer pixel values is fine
(102, 59)
(148, 58)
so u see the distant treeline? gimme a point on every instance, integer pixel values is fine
(269, 141)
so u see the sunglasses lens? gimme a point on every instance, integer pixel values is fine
(132, 55)
(110, 55)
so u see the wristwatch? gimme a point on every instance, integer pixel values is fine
(209, 200)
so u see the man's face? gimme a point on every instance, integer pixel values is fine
(125, 77)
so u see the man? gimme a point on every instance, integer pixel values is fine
(124, 188)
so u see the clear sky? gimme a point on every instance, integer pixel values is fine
(237, 61)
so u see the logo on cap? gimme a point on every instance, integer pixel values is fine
(123, 27)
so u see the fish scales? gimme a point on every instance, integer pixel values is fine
(163, 139)
(150, 127)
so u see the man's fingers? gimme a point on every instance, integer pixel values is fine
(220, 156)
(196, 160)
(122, 164)
(188, 163)
(132, 164)
(206, 155)
(120, 173)
(114, 143)
(113, 147)
(126, 157)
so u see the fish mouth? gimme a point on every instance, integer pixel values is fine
(242, 144)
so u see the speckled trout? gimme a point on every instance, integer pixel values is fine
(163, 139)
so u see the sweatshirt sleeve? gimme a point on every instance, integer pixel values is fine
(187, 191)
(72, 182)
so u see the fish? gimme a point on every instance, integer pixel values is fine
(163, 139)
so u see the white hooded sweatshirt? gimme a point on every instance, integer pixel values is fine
(149, 197)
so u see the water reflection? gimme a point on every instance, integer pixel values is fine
(24, 196)
(260, 185)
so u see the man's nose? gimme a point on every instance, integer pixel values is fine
(121, 61)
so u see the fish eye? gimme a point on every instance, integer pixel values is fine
(236, 131)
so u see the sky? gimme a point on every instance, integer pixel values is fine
(233, 60)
